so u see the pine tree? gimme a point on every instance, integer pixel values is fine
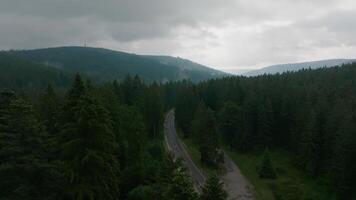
(264, 123)
(213, 190)
(181, 188)
(21, 151)
(153, 110)
(76, 91)
(205, 135)
(87, 146)
(230, 122)
(266, 169)
(49, 110)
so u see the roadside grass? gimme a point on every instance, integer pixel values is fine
(194, 153)
(291, 183)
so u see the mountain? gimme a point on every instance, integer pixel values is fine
(103, 64)
(274, 69)
(16, 73)
(189, 69)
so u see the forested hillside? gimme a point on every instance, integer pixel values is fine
(68, 138)
(93, 142)
(309, 115)
(293, 67)
(17, 73)
(104, 65)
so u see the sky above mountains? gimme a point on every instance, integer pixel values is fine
(227, 35)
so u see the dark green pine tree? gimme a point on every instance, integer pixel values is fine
(230, 123)
(181, 188)
(213, 190)
(266, 169)
(87, 146)
(49, 110)
(21, 150)
(75, 92)
(204, 129)
(264, 123)
(153, 110)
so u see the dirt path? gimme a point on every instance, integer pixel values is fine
(237, 187)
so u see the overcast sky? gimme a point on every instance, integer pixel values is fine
(224, 34)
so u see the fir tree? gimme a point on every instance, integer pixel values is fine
(87, 147)
(213, 190)
(21, 151)
(181, 188)
(49, 110)
(266, 170)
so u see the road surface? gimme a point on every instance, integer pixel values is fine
(176, 147)
(235, 184)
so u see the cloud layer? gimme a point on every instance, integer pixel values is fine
(223, 34)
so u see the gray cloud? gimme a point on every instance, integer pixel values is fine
(223, 34)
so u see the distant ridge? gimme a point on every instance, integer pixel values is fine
(104, 64)
(274, 69)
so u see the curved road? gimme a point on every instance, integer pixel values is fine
(176, 147)
(237, 187)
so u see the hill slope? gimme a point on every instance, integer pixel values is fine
(274, 69)
(104, 64)
(189, 69)
(16, 73)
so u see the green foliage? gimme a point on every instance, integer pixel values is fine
(49, 110)
(21, 150)
(88, 147)
(230, 119)
(181, 187)
(310, 113)
(266, 169)
(145, 192)
(186, 103)
(19, 74)
(153, 110)
(213, 190)
(204, 134)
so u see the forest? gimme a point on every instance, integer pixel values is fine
(78, 139)
(310, 114)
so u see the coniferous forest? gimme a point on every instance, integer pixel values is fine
(310, 115)
(78, 139)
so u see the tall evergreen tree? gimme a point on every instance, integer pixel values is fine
(153, 110)
(21, 151)
(204, 132)
(50, 110)
(181, 188)
(88, 147)
(231, 123)
(213, 189)
(266, 169)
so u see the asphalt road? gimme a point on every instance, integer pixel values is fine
(235, 184)
(178, 150)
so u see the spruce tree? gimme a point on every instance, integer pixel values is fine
(204, 129)
(181, 188)
(21, 150)
(87, 146)
(49, 110)
(213, 190)
(76, 91)
(153, 110)
(266, 170)
(230, 122)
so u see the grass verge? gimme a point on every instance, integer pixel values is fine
(194, 153)
(291, 183)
